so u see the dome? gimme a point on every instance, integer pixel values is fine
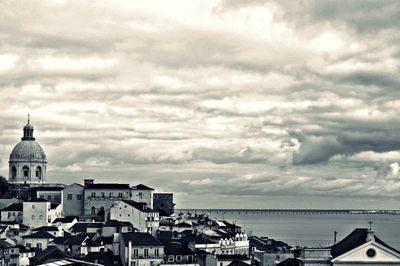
(28, 150)
(28, 126)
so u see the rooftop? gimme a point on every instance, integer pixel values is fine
(141, 239)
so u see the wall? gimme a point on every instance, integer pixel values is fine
(143, 195)
(39, 211)
(74, 206)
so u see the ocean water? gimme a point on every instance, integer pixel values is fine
(313, 229)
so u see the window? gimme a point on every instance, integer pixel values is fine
(93, 211)
(178, 258)
(103, 194)
(25, 171)
(111, 194)
(13, 172)
(40, 217)
(41, 196)
(93, 194)
(135, 253)
(146, 252)
(69, 197)
(56, 197)
(371, 253)
(28, 245)
(33, 217)
(39, 246)
(48, 197)
(156, 252)
(140, 194)
(120, 195)
(38, 172)
(78, 196)
(33, 206)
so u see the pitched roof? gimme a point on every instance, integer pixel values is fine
(141, 239)
(105, 240)
(69, 219)
(60, 240)
(4, 244)
(355, 239)
(238, 263)
(79, 227)
(16, 207)
(107, 186)
(46, 189)
(46, 228)
(77, 240)
(40, 234)
(142, 187)
(289, 262)
(141, 206)
(232, 257)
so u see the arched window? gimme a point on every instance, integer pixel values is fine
(13, 172)
(39, 172)
(93, 211)
(25, 171)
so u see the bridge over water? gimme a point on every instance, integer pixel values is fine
(218, 212)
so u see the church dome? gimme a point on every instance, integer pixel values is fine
(28, 150)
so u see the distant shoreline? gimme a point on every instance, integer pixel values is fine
(287, 211)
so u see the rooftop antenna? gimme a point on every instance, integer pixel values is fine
(334, 237)
(29, 116)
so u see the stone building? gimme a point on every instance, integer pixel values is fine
(73, 200)
(27, 164)
(164, 203)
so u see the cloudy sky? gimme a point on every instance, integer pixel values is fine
(236, 104)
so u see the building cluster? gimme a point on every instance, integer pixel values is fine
(119, 224)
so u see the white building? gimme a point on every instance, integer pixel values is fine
(142, 193)
(238, 245)
(36, 213)
(138, 214)
(12, 213)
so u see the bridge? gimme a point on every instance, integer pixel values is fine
(213, 212)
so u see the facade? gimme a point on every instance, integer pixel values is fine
(27, 164)
(137, 213)
(36, 213)
(238, 245)
(9, 254)
(361, 247)
(98, 198)
(52, 193)
(73, 203)
(140, 249)
(144, 194)
(164, 203)
(12, 213)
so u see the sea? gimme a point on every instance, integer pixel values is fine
(311, 228)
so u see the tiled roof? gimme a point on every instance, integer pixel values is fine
(142, 187)
(232, 257)
(353, 240)
(238, 263)
(107, 186)
(141, 239)
(4, 244)
(106, 240)
(138, 205)
(64, 220)
(13, 207)
(40, 234)
(79, 227)
(46, 228)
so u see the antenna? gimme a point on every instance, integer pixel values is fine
(29, 116)
(334, 237)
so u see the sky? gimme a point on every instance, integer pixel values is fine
(226, 103)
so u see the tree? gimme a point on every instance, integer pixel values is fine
(4, 186)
